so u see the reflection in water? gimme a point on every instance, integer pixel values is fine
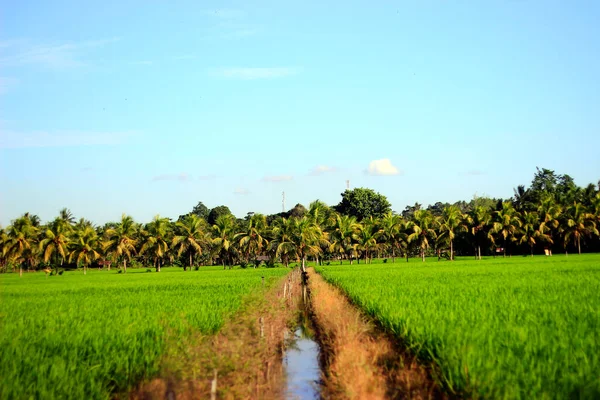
(302, 360)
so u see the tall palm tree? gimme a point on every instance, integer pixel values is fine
(367, 238)
(307, 239)
(578, 223)
(21, 242)
(393, 233)
(507, 223)
(422, 228)
(344, 235)
(155, 240)
(530, 230)
(252, 241)
(4, 249)
(55, 242)
(451, 223)
(322, 215)
(190, 237)
(84, 247)
(223, 235)
(481, 223)
(67, 216)
(121, 240)
(549, 212)
(282, 240)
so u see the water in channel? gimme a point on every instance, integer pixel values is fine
(303, 374)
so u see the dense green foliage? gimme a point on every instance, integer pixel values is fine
(499, 328)
(552, 215)
(87, 337)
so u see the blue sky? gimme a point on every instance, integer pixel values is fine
(147, 107)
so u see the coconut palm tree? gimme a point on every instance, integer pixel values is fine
(322, 215)
(549, 212)
(252, 241)
(393, 233)
(154, 240)
(451, 223)
(21, 242)
(481, 224)
(307, 238)
(282, 240)
(121, 240)
(507, 223)
(367, 238)
(530, 230)
(84, 247)
(55, 242)
(223, 236)
(344, 235)
(578, 223)
(4, 249)
(190, 237)
(423, 230)
(67, 216)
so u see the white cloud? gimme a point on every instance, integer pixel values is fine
(277, 178)
(181, 177)
(382, 167)
(321, 169)
(241, 191)
(16, 140)
(247, 73)
(52, 55)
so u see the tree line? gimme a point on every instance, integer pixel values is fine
(552, 213)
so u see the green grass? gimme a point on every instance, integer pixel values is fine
(514, 328)
(87, 337)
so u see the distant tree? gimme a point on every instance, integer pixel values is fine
(217, 212)
(578, 223)
(55, 241)
(423, 227)
(344, 236)
(252, 239)
(298, 211)
(84, 247)
(481, 224)
(67, 216)
(283, 240)
(121, 240)
(155, 240)
(409, 211)
(190, 237)
(530, 232)
(223, 236)
(307, 239)
(506, 223)
(393, 233)
(362, 203)
(451, 222)
(22, 241)
(367, 239)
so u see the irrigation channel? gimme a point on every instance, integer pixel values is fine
(301, 360)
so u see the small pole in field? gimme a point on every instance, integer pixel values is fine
(285, 290)
(262, 327)
(263, 282)
(213, 387)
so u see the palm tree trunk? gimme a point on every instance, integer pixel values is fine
(20, 270)
(84, 269)
(393, 256)
(124, 265)
(531, 250)
(303, 263)
(579, 244)
(423, 255)
(479, 251)
(504, 249)
(451, 250)
(190, 260)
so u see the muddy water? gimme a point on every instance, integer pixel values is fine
(301, 360)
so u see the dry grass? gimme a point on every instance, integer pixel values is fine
(360, 361)
(248, 362)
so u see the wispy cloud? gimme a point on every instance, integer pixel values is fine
(382, 167)
(321, 169)
(277, 178)
(249, 73)
(16, 140)
(180, 177)
(50, 55)
(241, 191)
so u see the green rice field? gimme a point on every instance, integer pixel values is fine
(508, 328)
(88, 337)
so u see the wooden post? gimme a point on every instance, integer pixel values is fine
(213, 387)
(262, 327)
(263, 282)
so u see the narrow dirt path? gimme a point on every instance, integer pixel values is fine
(246, 353)
(359, 360)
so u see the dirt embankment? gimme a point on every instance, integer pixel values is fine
(246, 353)
(360, 361)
